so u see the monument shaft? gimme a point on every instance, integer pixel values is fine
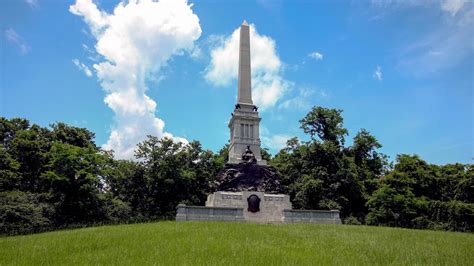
(245, 122)
(245, 81)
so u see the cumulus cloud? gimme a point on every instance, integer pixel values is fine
(378, 73)
(268, 85)
(316, 56)
(82, 67)
(16, 39)
(135, 41)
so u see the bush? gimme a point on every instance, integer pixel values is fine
(452, 215)
(22, 212)
(118, 211)
(351, 220)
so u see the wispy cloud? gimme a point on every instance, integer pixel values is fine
(316, 55)
(32, 3)
(441, 48)
(452, 6)
(378, 73)
(16, 39)
(303, 99)
(82, 67)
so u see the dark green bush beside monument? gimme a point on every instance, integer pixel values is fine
(57, 177)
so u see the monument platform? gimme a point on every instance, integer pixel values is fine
(253, 206)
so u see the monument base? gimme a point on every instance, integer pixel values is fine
(253, 206)
(270, 207)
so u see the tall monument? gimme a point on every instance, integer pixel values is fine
(245, 122)
(246, 188)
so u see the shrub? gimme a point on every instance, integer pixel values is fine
(23, 212)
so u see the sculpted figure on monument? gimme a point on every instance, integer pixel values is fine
(248, 156)
(248, 177)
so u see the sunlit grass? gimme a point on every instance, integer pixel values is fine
(170, 243)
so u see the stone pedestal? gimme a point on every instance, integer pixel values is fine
(271, 205)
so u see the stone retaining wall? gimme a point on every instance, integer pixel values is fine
(311, 216)
(231, 214)
(201, 213)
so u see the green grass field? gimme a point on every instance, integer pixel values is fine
(171, 243)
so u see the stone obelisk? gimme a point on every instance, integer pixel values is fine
(245, 122)
(245, 81)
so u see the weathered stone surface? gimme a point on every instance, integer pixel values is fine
(271, 205)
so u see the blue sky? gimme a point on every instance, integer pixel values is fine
(403, 70)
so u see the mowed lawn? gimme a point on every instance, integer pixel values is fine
(171, 243)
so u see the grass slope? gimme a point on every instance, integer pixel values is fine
(171, 243)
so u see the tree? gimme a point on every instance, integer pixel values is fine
(74, 176)
(371, 165)
(75, 136)
(30, 149)
(325, 123)
(176, 173)
(24, 212)
(10, 177)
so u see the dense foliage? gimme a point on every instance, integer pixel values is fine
(58, 177)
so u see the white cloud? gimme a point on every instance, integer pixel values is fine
(268, 85)
(378, 73)
(275, 142)
(316, 56)
(303, 98)
(32, 3)
(452, 6)
(16, 39)
(82, 67)
(135, 42)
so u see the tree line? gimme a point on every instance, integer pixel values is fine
(57, 177)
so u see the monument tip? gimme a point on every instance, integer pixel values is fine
(245, 23)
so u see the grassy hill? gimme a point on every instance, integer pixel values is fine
(171, 243)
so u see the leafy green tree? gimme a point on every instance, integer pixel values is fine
(265, 154)
(75, 136)
(24, 212)
(30, 149)
(325, 123)
(8, 128)
(392, 207)
(127, 182)
(323, 174)
(176, 173)
(74, 176)
(10, 177)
